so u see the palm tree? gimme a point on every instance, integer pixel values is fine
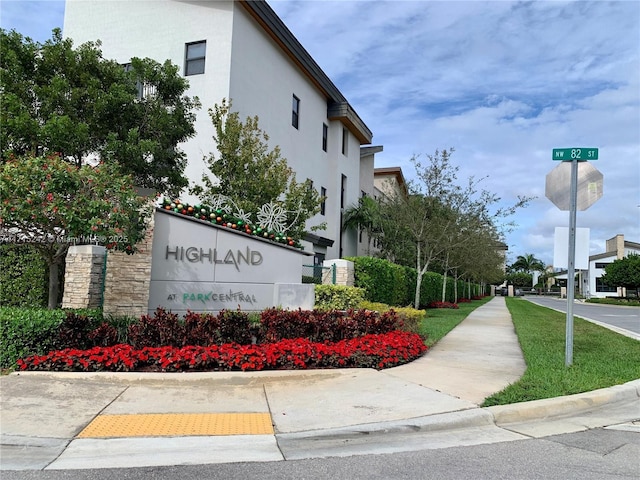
(527, 263)
(364, 216)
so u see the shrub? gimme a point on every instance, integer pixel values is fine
(234, 327)
(324, 326)
(74, 331)
(105, 335)
(24, 276)
(430, 288)
(443, 305)
(384, 281)
(337, 297)
(162, 329)
(410, 317)
(201, 329)
(27, 331)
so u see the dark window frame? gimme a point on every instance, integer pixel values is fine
(325, 136)
(190, 61)
(323, 204)
(295, 112)
(345, 141)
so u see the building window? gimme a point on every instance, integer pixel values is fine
(194, 58)
(323, 195)
(345, 140)
(601, 265)
(295, 111)
(325, 136)
(601, 287)
(343, 190)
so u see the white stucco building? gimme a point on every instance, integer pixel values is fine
(241, 50)
(616, 249)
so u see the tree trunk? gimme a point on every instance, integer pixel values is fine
(416, 301)
(444, 285)
(54, 284)
(455, 287)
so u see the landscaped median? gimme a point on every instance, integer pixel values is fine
(278, 339)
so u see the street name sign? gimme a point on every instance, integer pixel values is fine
(569, 154)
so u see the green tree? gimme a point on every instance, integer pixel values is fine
(623, 272)
(57, 99)
(519, 279)
(252, 176)
(439, 216)
(49, 203)
(365, 216)
(527, 263)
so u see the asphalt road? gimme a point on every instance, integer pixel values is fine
(598, 454)
(627, 318)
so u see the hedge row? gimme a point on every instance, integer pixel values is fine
(24, 277)
(395, 285)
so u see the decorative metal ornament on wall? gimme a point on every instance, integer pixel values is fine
(271, 216)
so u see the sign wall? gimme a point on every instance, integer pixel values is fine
(202, 267)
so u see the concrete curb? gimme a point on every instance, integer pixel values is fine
(233, 377)
(475, 417)
(570, 404)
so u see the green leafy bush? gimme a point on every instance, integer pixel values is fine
(338, 297)
(385, 281)
(27, 331)
(430, 288)
(24, 277)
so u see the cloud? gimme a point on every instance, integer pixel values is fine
(32, 18)
(502, 82)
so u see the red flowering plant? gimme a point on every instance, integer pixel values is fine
(443, 305)
(369, 351)
(284, 339)
(51, 204)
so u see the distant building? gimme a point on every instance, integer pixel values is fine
(389, 182)
(616, 249)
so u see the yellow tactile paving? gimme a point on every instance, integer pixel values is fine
(178, 424)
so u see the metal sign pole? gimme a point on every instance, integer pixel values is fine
(571, 275)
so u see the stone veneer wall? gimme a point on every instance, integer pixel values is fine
(83, 277)
(128, 279)
(345, 272)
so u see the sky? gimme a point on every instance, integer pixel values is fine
(502, 82)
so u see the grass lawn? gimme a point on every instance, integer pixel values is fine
(440, 321)
(601, 358)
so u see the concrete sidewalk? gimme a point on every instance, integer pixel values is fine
(431, 403)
